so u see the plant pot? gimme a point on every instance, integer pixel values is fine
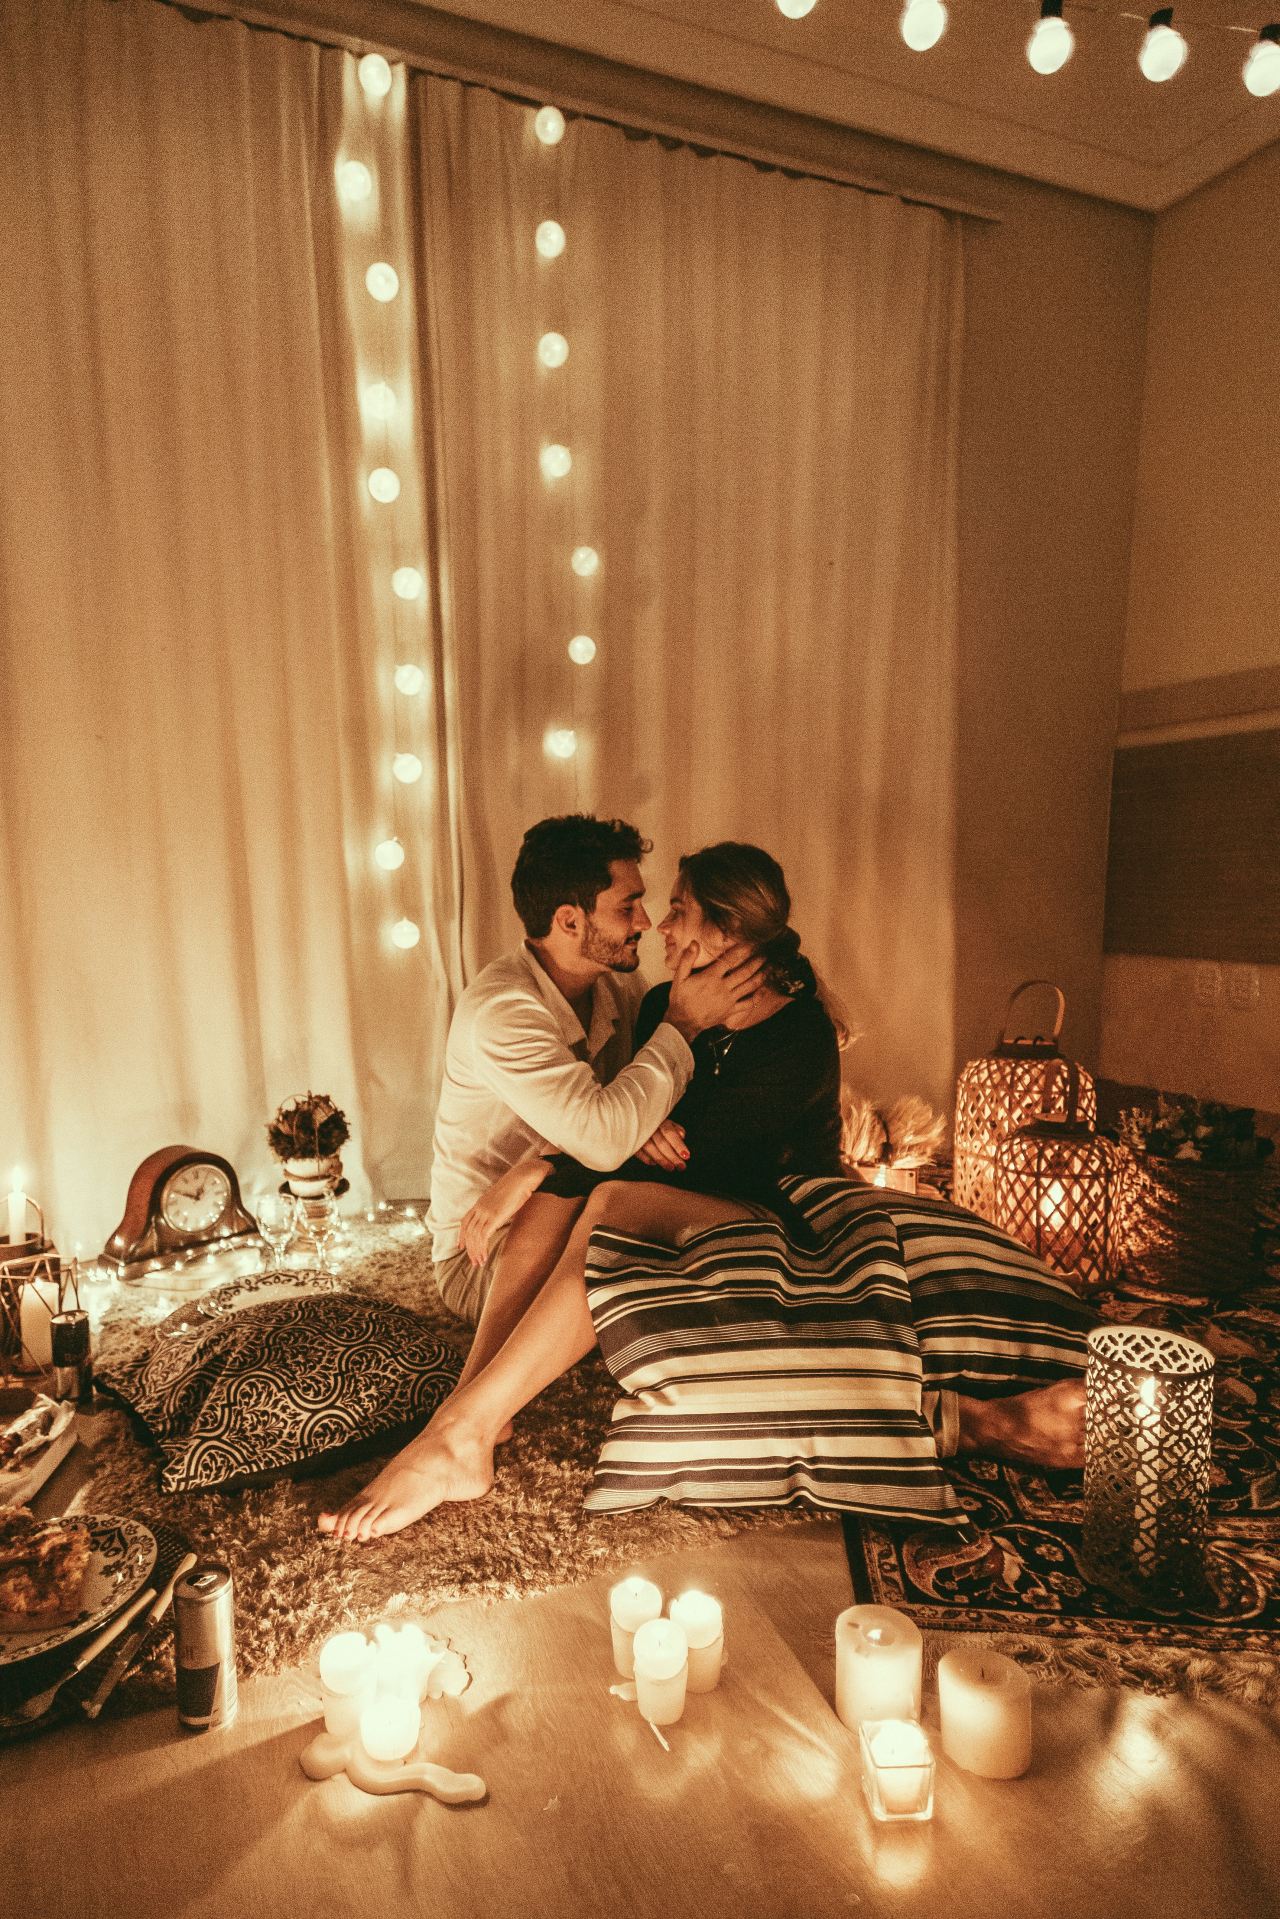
(313, 1178)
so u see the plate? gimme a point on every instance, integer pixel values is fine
(256, 1289)
(121, 1554)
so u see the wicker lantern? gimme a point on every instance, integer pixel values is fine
(1058, 1188)
(1002, 1091)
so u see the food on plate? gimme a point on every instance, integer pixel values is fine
(30, 1431)
(43, 1563)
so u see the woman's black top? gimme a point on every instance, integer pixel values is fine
(762, 1102)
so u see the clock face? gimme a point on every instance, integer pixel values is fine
(193, 1199)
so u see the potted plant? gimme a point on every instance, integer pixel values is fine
(1191, 1213)
(305, 1137)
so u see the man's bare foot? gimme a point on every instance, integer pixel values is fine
(445, 1462)
(1044, 1427)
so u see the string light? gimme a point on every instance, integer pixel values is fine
(375, 76)
(355, 182)
(384, 485)
(548, 124)
(389, 855)
(407, 583)
(1052, 42)
(410, 680)
(382, 281)
(406, 935)
(1164, 51)
(562, 742)
(407, 768)
(585, 561)
(378, 400)
(923, 24)
(555, 461)
(553, 350)
(549, 239)
(1262, 66)
(582, 649)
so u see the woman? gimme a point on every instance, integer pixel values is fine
(763, 1103)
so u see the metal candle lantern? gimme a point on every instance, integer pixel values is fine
(1147, 1448)
(1058, 1187)
(1002, 1091)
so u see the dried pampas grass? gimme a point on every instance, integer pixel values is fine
(910, 1129)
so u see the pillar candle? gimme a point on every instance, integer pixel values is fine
(879, 1654)
(702, 1619)
(632, 1603)
(39, 1304)
(984, 1702)
(348, 1676)
(389, 1726)
(661, 1669)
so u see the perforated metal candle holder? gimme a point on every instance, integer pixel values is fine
(1147, 1455)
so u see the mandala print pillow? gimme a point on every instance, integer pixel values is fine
(283, 1387)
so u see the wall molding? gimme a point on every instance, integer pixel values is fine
(1223, 696)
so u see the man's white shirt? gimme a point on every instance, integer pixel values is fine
(521, 1076)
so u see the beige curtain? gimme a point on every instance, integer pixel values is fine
(760, 405)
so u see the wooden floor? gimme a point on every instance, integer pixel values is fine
(1134, 1806)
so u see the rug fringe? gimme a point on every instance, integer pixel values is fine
(1252, 1679)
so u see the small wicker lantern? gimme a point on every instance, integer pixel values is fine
(1148, 1433)
(1059, 1189)
(1002, 1091)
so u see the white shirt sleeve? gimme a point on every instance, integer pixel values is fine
(519, 1053)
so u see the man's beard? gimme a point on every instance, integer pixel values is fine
(620, 956)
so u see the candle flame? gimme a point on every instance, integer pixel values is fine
(1147, 1392)
(1051, 1202)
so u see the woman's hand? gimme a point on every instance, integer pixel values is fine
(665, 1148)
(501, 1203)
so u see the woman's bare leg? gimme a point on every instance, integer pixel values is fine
(536, 1238)
(452, 1458)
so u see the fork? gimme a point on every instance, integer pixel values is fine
(39, 1703)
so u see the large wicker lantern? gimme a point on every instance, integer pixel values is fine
(1002, 1091)
(1058, 1188)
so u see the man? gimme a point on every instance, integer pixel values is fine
(539, 1055)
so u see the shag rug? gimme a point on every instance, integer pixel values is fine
(1019, 1583)
(293, 1587)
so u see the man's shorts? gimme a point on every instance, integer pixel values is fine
(464, 1287)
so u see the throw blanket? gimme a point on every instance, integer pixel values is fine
(761, 1370)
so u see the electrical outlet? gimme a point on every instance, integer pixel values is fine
(1206, 983)
(1243, 989)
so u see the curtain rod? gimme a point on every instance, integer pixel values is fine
(450, 47)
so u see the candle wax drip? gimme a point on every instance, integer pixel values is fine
(326, 1756)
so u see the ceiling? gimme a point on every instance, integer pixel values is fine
(1098, 126)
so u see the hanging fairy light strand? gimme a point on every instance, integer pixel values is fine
(1161, 54)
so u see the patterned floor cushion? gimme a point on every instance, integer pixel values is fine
(283, 1387)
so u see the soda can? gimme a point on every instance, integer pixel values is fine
(72, 1355)
(205, 1647)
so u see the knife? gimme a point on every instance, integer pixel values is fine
(130, 1647)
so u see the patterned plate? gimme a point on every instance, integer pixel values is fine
(121, 1554)
(256, 1289)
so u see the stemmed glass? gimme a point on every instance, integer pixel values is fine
(276, 1224)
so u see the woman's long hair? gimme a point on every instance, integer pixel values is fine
(743, 891)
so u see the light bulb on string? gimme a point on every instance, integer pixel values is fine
(407, 583)
(796, 9)
(553, 350)
(355, 182)
(555, 461)
(561, 742)
(378, 400)
(410, 679)
(406, 935)
(375, 76)
(1262, 65)
(1052, 42)
(407, 768)
(548, 124)
(549, 239)
(389, 855)
(923, 24)
(1164, 51)
(382, 281)
(582, 649)
(585, 562)
(384, 485)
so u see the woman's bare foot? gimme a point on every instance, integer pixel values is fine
(1044, 1427)
(447, 1461)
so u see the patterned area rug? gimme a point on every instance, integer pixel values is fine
(1020, 1578)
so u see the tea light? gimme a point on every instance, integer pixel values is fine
(897, 1768)
(389, 1726)
(984, 1702)
(661, 1670)
(879, 1654)
(632, 1603)
(702, 1619)
(347, 1673)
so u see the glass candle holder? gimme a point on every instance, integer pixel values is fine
(897, 1769)
(1148, 1433)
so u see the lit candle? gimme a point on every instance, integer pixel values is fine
(403, 1659)
(389, 1726)
(879, 1655)
(17, 1210)
(702, 1619)
(897, 1768)
(984, 1702)
(1146, 1478)
(632, 1603)
(39, 1304)
(347, 1673)
(661, 1670)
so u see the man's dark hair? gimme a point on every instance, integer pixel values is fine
(565, 862)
